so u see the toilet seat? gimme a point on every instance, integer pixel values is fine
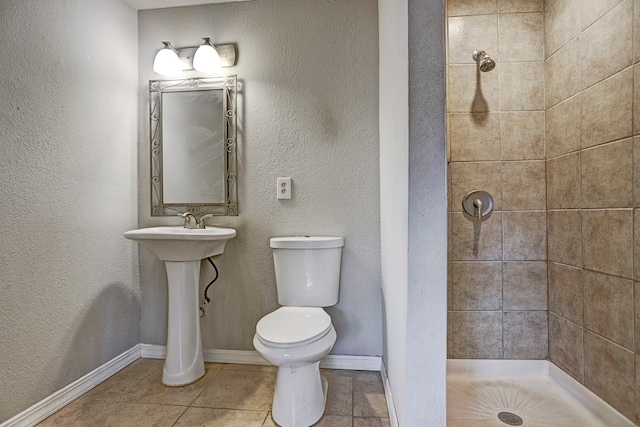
(293, 326)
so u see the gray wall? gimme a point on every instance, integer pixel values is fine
(309, 110)
(68, 278)
(413, 207)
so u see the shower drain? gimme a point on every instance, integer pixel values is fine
(510, 418)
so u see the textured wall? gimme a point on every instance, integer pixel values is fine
(394, 188)
(498, 273)
(68, 191)
(309, 111)
(593, 164)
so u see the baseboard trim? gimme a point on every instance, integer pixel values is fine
(252, 357)
(391, 407)
(41, 410)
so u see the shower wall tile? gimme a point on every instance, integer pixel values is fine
(471, 7)
(450, 354)
(471, 91)
(608, 307)
(473, 241)
(565, 243)
(636, 286)
(511, 6)
(636, 31)
(524, 285)
(477, 334)
(609, 372)
(566, 346)
(520, 37)
(591, 10)
(476, 286)
(449, 285)
(597, 57)
(525, 235)
(525, 335)
(563, 182)
(636, 172)
(562, 73)
(599, 165)
(565, 292)
(561, 22)
(523, 185)
(521, 86)
(523, 135)
(475, 136)
(636, 97)
(468, 176)
(464, 34)
(562, 127)
(607, 237)
(636, 247)
(496, 143)
(607, 113)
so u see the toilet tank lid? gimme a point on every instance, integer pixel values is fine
(307, 242)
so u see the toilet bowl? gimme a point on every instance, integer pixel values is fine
(295, 339)
(296, 336)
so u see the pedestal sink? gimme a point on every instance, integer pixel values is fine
(182, 249)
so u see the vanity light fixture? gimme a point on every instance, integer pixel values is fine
(206, 58)
(167, 61)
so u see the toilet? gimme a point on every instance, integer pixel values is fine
(297, 335)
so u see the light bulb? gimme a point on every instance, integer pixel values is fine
(167, 61)
(206, 58)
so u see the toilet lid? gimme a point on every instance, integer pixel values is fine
(293, 326)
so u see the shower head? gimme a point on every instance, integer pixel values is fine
(485, 63)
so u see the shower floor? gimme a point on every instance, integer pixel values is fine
(522, 393)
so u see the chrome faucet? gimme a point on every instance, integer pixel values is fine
(188, 216)
(202, 223)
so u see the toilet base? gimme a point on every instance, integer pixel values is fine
(300, 395)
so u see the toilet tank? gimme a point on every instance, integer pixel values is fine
(307, 270)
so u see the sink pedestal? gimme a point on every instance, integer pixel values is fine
(181, 249)
(184, 363)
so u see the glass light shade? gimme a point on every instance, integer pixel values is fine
(167, 61)
(206, 58)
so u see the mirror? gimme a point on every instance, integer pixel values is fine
(193, 146)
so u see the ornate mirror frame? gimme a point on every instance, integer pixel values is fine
(157, 88)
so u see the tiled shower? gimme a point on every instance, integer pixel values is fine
(551, 134)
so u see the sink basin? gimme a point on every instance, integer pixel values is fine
(182, 244)
(182, 249)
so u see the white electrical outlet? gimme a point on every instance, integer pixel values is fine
(284, 188)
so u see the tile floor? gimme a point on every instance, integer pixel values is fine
(228, 395)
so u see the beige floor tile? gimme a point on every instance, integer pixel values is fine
(137, 415)
(76, 414)
(116, 387)
(368, 395)
(325, 421)
(89, 412)
(371, 422)
(340, 393)
(151, 390)
(334, 421)
(229, 389)
(255, 368)
(209, 417)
